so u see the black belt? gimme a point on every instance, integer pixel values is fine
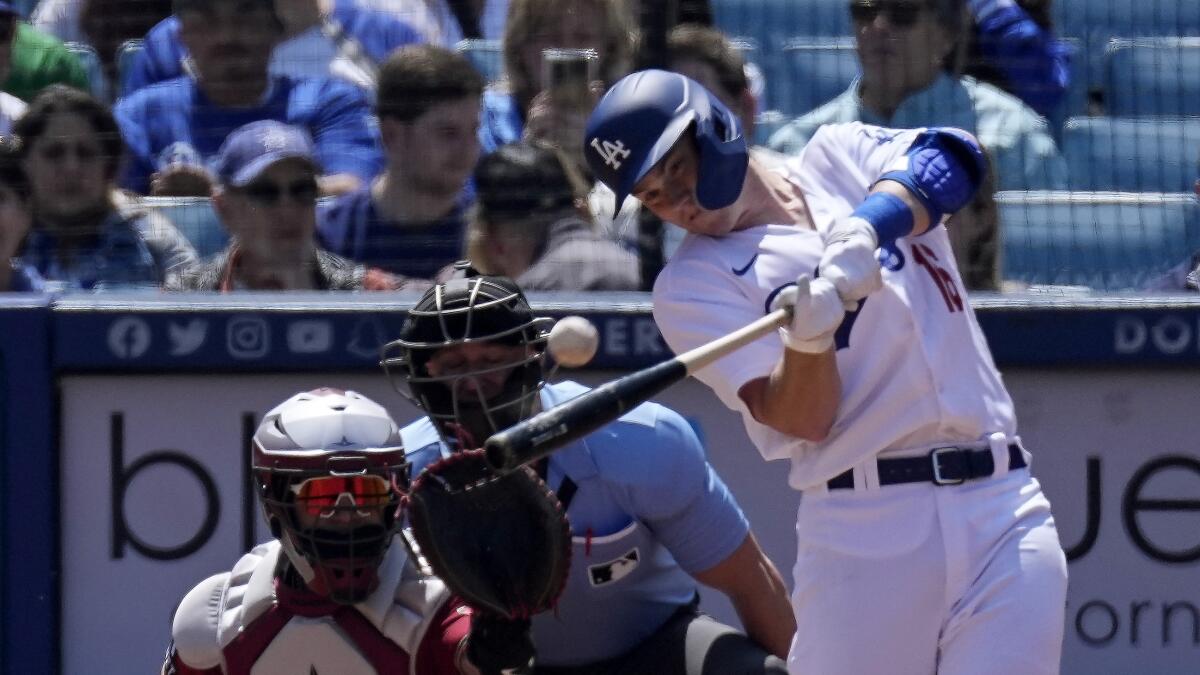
(942, 466)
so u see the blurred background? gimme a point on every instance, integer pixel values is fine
(156, 280)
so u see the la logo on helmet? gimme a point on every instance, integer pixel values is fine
(611, 153)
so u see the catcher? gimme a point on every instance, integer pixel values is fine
(648, 516)
(332, 593)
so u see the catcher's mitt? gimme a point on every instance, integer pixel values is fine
(500, 542)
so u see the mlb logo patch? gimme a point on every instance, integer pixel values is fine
(612, 571)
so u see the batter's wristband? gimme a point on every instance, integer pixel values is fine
(888, 214)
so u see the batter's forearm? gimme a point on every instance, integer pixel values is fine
(800, 397)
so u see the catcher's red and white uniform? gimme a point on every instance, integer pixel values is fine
(247, 622)
(906, 579)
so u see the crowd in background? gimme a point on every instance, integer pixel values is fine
(365, 144)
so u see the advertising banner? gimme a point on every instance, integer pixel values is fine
(155, 497)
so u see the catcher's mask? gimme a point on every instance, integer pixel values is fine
(330, 469)
(464, 405)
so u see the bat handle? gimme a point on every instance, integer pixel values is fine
(701, 356)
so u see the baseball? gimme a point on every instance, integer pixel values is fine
(573, 341)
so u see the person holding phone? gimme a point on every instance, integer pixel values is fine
(521, 107)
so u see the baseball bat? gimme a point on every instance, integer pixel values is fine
(549, 430)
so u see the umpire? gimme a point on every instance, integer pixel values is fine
(649, 516)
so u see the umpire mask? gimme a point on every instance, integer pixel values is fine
(469, 403)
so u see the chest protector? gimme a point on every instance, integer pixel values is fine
(243, 623)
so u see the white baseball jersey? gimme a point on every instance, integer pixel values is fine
(235, 623)
(914, 365)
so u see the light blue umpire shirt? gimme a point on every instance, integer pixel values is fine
(647, 510)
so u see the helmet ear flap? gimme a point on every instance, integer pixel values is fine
(723, 157)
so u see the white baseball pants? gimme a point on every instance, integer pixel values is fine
(918, 579)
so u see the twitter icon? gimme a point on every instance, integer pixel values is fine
(187, 338)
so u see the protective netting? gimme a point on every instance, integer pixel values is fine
(1089, 110)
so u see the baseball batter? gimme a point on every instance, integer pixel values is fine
(924, 544)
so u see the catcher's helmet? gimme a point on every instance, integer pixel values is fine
(481, 309)
(642, 116)
(330, 468)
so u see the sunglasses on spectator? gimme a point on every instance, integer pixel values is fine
(901, 14)
(324, 495)
(267, 193)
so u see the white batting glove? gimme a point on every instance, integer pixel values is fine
(816, 314)
(849, 261)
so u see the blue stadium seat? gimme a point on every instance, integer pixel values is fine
(1104, 240)
(1153, 76)
(195, 218)
(97, 83)
(1139, 155)
(485, 55)
(814, 71)
(1098, 21)
(1129, 18)
(127, 54)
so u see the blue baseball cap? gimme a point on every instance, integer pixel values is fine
(252, 148)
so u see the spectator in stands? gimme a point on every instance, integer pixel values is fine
(903, 47)
(172, 128)
(530, 224)
(708, 57)
(105, 25)
(321, 38)
(83, 235)
(267, 198)
(446, 22)
(15, 219)
(30, 60)
(1012, 46)
(605, 26)
(411, 220)
(11, 107)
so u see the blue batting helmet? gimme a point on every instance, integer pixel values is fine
(642, 116)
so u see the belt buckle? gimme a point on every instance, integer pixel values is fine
(935, 459)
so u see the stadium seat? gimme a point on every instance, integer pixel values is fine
(1153, 76)
(815, 70)
(1129, 18)
(127, 53)
(195, 218)
(1104, 240)
(97, 83)
(485, 55)
(1098, 21)
(1140, 155)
